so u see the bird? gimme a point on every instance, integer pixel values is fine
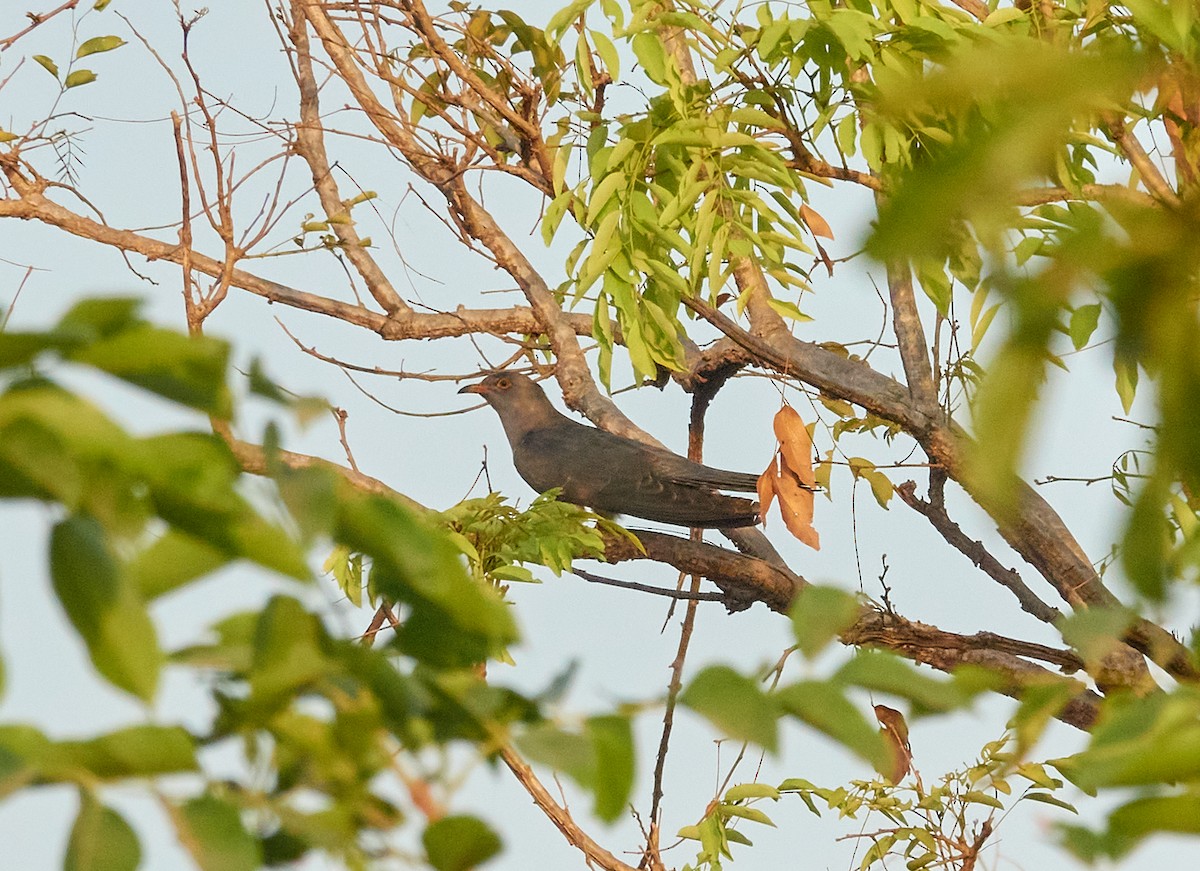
(608, 473)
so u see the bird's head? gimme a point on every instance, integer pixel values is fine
(504, 390)
(497, 382)
(519, 401)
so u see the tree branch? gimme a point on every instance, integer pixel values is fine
(559, 815)
(935, 512)
(910, 337)
(946, 651)
(1034, 529)
(310, 144)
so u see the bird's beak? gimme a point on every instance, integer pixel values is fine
(475, 388)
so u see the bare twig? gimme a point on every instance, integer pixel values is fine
(935, 512)
(559, 815)
(689, 595)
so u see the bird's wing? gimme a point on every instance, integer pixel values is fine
(617, 475)
(680, 470)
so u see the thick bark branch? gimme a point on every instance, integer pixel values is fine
(946, 651)
(910, 337)
(743, 578)
(1034, 529)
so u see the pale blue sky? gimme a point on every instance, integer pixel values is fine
(129, 173)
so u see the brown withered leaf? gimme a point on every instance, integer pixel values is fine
(794, 444)
(818, 225)
(895, 733)
(766, 488)
(796, 504)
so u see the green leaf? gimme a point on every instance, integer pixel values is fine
(1036, 774)
(823, 706)
(752, 814)
(133, 752)
(101, 840)
(23, 752)
(458, 843)
(47, 64)
(885, 672)
(1039, 704)
(187, 369)
(1096, 632)
(751, 790)
(101, 317)
(1127, 381)
(976, 797)
(1144, 816)
(612, 744)
(288, 649)
(19, 349)
(212, 830)
(103, 605)
(34, 462)
(1002, 415)
(192, 479)
(79, 77)
(734, 704)
(648, 49)
(1148, 540)
(1083, 323)
(819, 614)
(1003, 16)
(453, 620)
(173, 560)
(787, 309)
(561, 750)
(881, 486)
(1047, 798)
(97, 44)
(608, 53)
(1149, 740)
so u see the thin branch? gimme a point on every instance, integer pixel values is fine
(37, 19)
(1154, 180)
(310, 143)
(701, 399)
(689, 595)
(559, 815)
(935, 512)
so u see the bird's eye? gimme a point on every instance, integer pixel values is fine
(502, 383)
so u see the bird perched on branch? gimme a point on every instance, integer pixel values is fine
(606, 472)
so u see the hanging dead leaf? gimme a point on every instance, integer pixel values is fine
(796, 504)
(895, 734)
(795, 444)
(766, 488)
(818, 225)
(825, 258)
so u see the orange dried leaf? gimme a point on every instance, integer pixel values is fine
(795, 444)
(818, 225)
(766, 488)
(796, 505)
(895, 733)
